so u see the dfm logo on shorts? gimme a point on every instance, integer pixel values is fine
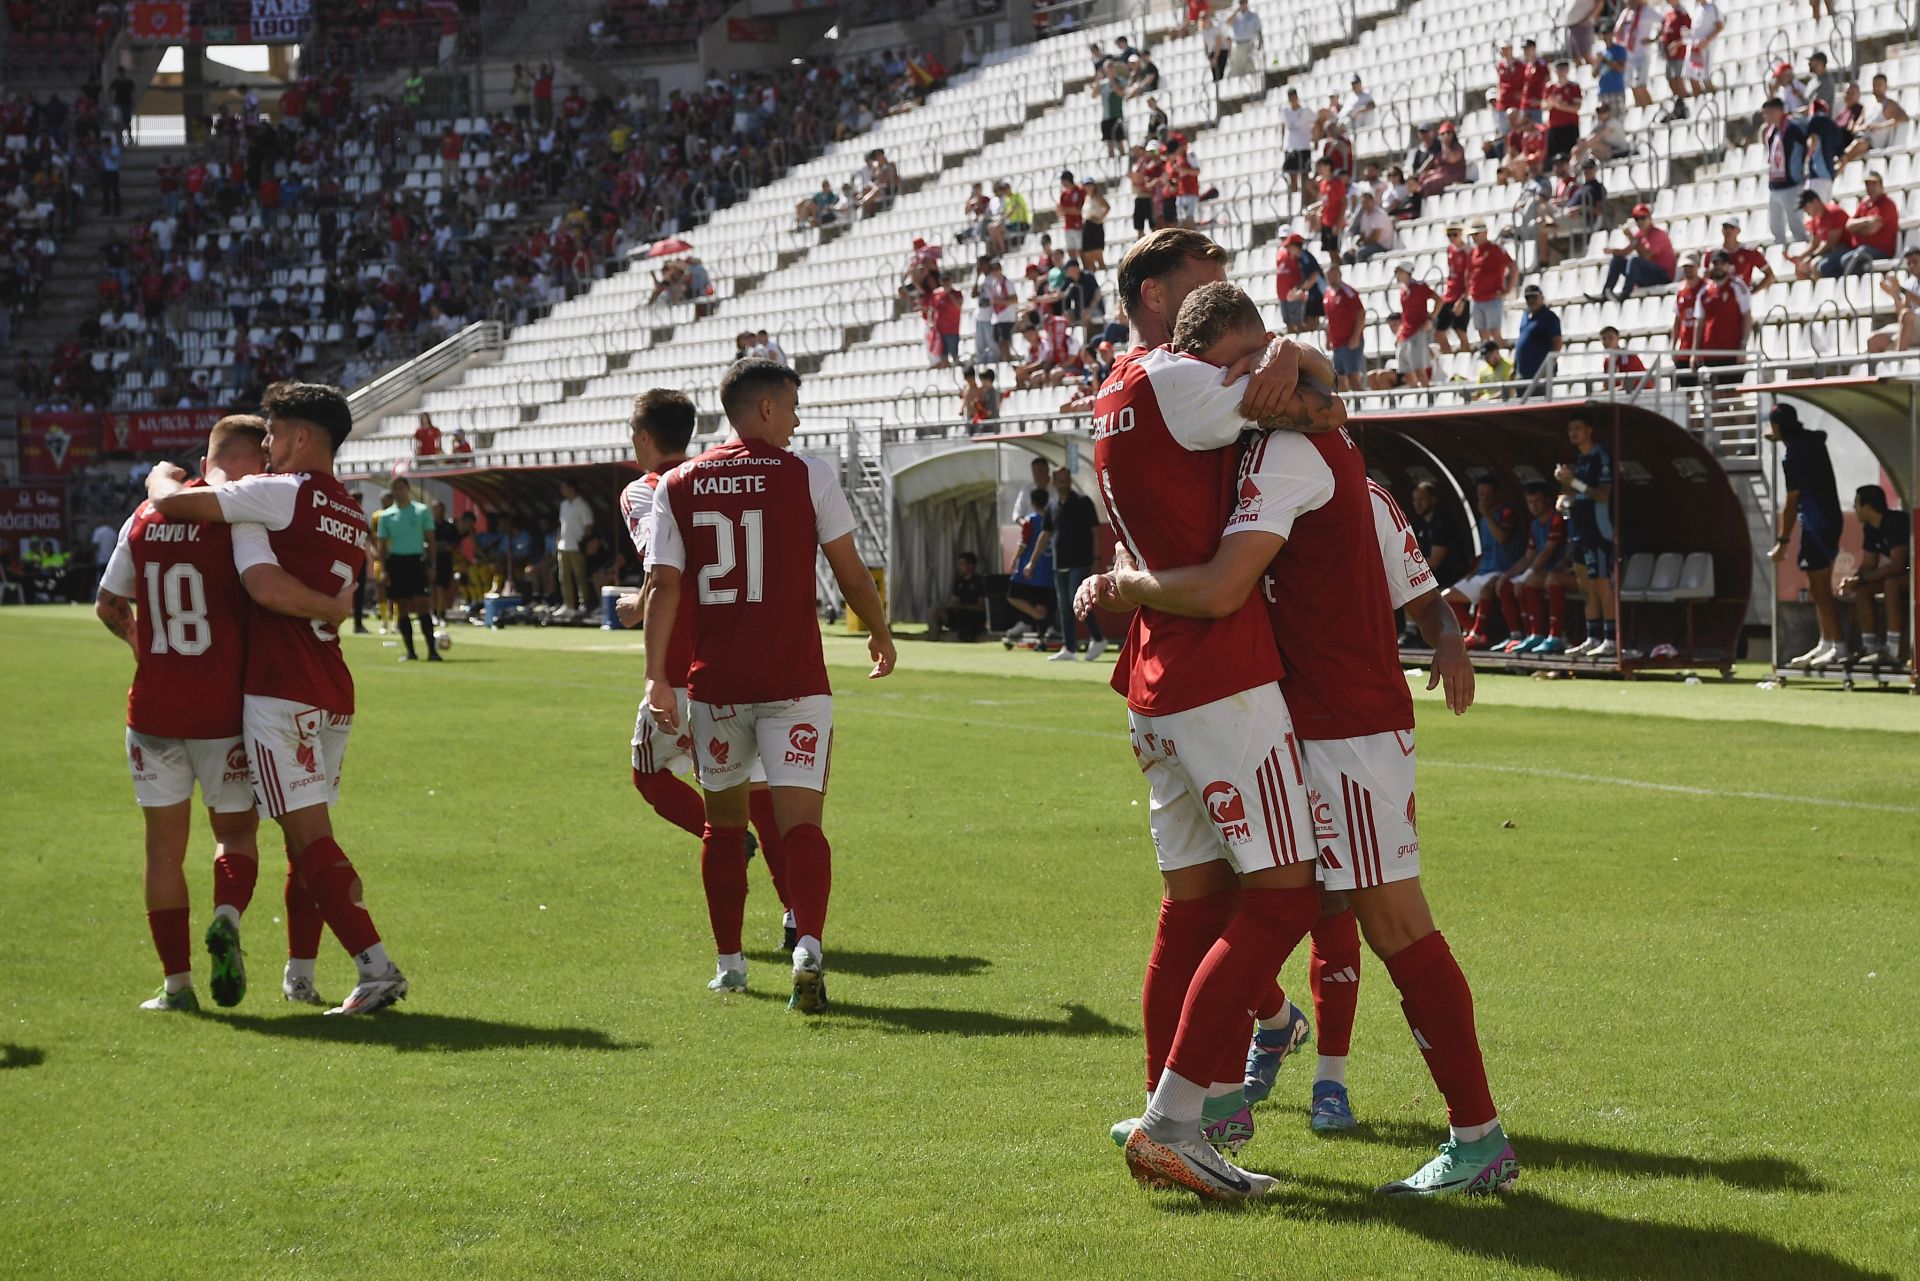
(236, 764)
(1228, 812)
(803, 741)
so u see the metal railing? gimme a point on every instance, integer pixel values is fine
(482, 336)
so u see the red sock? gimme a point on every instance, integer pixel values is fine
(331, 880)
(723, 871)
(1439, 1008)
(673, 799)
(1480, 613)
(172, 939)
(233, 878)
(773, 848)
(1557, 598)
(1510, 607)
(809, 878)
(1188, 927)
(1461, 612)
(1334, 971)
(1536, 603)
(1237, 971)
(304, 921)
(1271, 1004)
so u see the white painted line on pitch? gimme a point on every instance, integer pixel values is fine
(1677, 788)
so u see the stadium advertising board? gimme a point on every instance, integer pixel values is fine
(62, 444)
(58, 444)
(32, 512)
(220, 21)
(158, 431)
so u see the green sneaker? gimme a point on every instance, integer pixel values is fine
(809, 983)
(181, 1002)
(229, 968)
(1485, 1165)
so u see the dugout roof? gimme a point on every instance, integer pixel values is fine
(1881, 411)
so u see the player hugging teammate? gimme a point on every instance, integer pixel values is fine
(1276, 731)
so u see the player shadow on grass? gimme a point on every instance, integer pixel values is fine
(1526, 1229)
(1079, 1022)
(1756, 1172)
(406, 1032)
(886, 965)
(20, 1056)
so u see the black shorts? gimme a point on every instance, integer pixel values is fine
(967, 621)
(1003, 331)
(1093, 235)
(1297, 162)
(443, 570)
(1142, 213)
(1448, 318)
(1114, 130)
(1560, 140)
(1597, 557)
(406, 576)
(1818, 547)
(1032, 593)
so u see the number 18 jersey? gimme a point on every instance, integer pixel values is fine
(192, 624)
(742, 523)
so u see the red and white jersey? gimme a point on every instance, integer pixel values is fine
(1161, 427)
(1327, 597)
(742, 522)
(1408, 574)
(306, 523)
(636, 508)
(191, 649)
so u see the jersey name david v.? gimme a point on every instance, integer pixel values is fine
(743, 523)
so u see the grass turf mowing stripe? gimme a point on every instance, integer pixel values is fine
(1718, 793)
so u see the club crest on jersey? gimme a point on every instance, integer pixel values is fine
(803, 741)
(1228, 811)
(1413, 562)
(1248, 508)
(717, 749)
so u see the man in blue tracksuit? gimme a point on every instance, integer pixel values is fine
(1810, 495)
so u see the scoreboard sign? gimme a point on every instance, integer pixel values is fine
(220, 21)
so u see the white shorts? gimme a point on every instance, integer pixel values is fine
(1225, 781)
(1070, 238)
(1186, 208)
(790, 740)
(1362, 795)
(297, 751)
(655, 749)
(1640, 68)
(1699, 63)
(1240, 62)
(1474, 585)
(165, 769)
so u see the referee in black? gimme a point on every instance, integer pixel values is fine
(406, 550)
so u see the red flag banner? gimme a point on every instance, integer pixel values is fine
(58, 444)
(157, 19)
(161, 431)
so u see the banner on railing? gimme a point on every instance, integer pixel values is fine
(58, 444)
(158, 431)
(62, 444)
(32, 511)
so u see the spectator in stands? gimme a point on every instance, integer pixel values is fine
(1509, 76)
(923, 270)
(1647, 258)
(1676, 30)
(1721, 322)
(1818, 85)
(1491, 276)
(1534, 74)
(1696, 71)
(1451, 322)
(883, 183)
(768, 348)
(1217, 43)
(107, 163)
(1296, 140)
(1329, 213)
(1827, 242)
(1579, 20)
(1871, 124)
(1574, 209)
(1113, 120)
(1337, 148)
(1450, 166)
(426, 438)
(1297, 284)
(1156, 127)
(1637, 30)
(1414, 356)
(1067, 538)
(1624, 369)
(1873, 233)
(1607, 140)
(575, 523)
(1792, 95)
(1610, 78)
(1030, 591)
(816, 210)
(1904, 333)
(1750, 266)
(1785, 143)
(1534, 350)
(1522, 151)
(1346, 331)
(1884, 570)
(1371, 228)
(1243, 24)
(965, 611)
(1144, 78)
(1563, 112)
(997, 296)
(1359, 111)
(1093, 238)
(1010, 218)
(941, 307)
(1186, 179)
(1494, 368)
(1811, 497)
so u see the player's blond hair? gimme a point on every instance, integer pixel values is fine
(1212, 312)
(250, 429)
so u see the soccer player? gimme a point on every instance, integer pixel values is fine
(1884, 569)
(406, 542)
(1542, 575)
(662, 424)
(1499, 550)
(298, 709)
(1229, 818)
(1813, 499)
(741, 522)
(1588, 485)
(1332, 618)
(171, 592)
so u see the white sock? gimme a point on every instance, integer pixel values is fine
(1869, 641)
(1471, 1133)
(229, 911)
(1173, 1113)
(732, 961)
(1332, 1068)
(373, 962)
(1279, 1020)
(808, 943)
(1893, 642)
(300, 967)
(179, 982)
(787, 920)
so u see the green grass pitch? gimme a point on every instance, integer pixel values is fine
(1692, 954)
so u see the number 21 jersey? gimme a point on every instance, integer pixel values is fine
(742, 523)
